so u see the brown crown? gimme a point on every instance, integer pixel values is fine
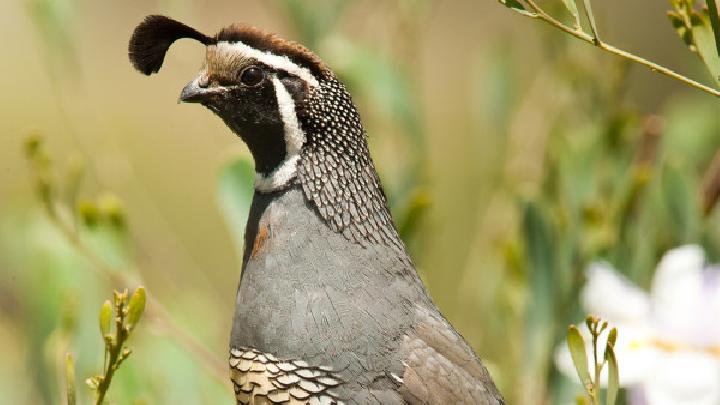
(268, 42)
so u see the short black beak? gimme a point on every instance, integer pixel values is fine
(194, 93)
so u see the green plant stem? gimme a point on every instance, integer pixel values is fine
(70, 379)
(114, 351)
(540, 14)
(596, 383)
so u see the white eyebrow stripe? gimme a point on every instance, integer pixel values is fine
(270, 59)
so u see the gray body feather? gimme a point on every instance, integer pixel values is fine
(308, 293)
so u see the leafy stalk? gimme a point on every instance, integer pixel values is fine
(127, 315)
(591, 383)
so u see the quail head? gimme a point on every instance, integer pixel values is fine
(329, 308)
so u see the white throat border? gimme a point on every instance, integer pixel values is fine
(281, 176)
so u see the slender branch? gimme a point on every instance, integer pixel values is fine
(538, 13)
(596, 383)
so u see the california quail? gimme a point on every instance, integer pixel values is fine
(330, 308)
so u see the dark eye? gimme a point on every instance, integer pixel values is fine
(251, 76)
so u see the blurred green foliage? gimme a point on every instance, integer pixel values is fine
(507, 174)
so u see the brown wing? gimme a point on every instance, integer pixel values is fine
(440, 367)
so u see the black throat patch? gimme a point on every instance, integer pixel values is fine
(337, 173)
(265, 134)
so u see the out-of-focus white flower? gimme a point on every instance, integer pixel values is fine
(668, 342)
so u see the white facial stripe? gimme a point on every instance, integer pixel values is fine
(294, 136)
(279, 177)
(294, 140)
(270, 59)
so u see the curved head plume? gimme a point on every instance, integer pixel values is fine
(152, 38)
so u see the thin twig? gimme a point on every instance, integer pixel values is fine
(539, 13)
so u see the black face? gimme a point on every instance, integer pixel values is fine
(244, 97)
(249, 107)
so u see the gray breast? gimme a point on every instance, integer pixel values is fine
(351, 323)
(310, 294)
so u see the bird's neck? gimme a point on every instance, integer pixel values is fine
(346, 192)
(336, 172)
(288, 214)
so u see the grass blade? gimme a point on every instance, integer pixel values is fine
(70, 378)
(591, 19)
(572, 8)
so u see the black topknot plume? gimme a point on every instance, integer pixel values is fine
(152, 38)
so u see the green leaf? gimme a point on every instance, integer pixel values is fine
(591, 19)
(613, 374)
(70, 378)
(572, 8)
(235, 193)
(714, 23)
(576, 345)
(105, 318)
(612, 337)
(699, 32)
(516, 6)
(136, 307)
(705, 42)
